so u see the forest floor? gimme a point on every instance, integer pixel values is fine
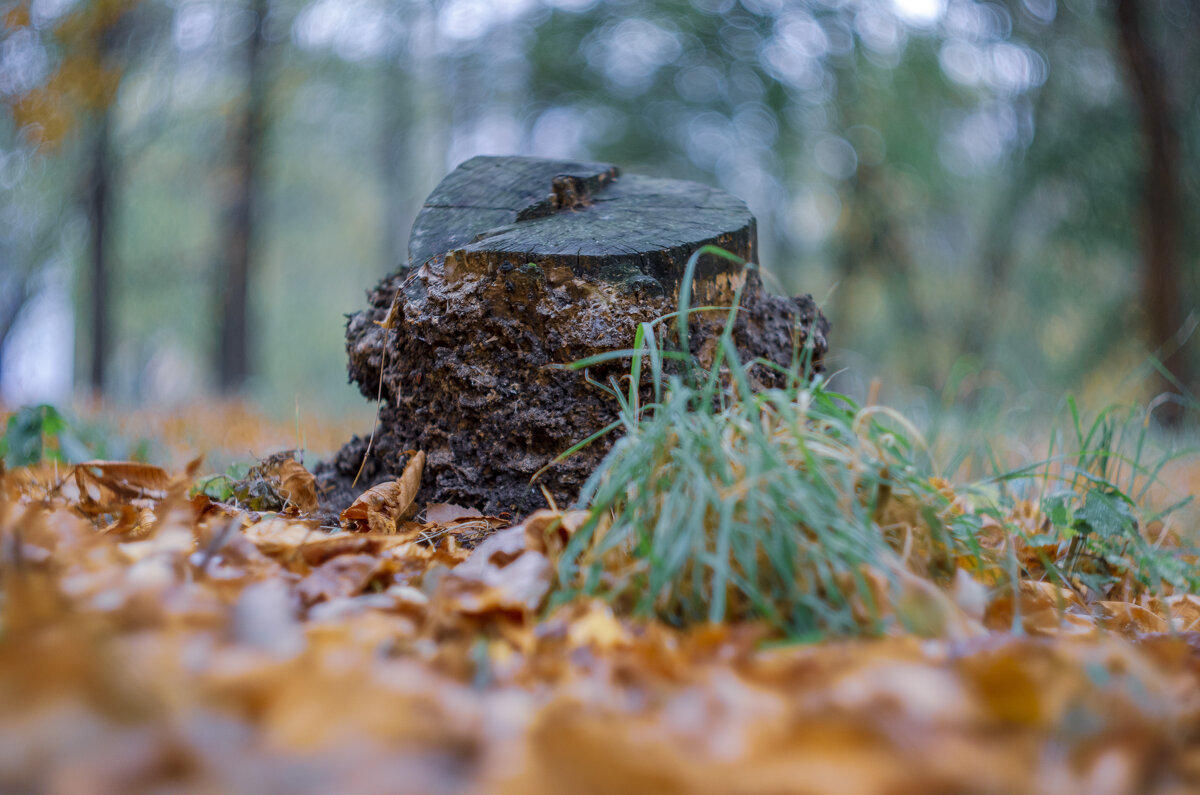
(164, 630)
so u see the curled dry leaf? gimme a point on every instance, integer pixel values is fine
(382, 508)
(548, 532)
(297, 485)
(278, 483)
(107, 482)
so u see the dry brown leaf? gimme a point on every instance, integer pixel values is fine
(298, 485)
(1129, 618)
(1184, 612)
(445, 512)
(276, 537)
(1050, 622)
(104, 484)
(340, 577)
(382, 508)
(548, 531)
(597, 628)
(500, 575)
(410, 481)
(320, 547)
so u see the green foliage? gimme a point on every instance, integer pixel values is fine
(223, 487)
(734, 502)
(36, 434)
(254, 486)
(723, 501)
(39, 433)
(1092, 497)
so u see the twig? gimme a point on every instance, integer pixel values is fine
(389, 322)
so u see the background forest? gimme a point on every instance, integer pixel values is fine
(987, 198)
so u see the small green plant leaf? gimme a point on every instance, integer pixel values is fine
(1104, 514)
(40, 433)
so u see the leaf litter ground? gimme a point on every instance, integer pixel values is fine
(160, 634)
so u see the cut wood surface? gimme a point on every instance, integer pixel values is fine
(494, 213)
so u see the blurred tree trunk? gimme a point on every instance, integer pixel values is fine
(92, 49)
(396, 104)
(12, 301)
(99, 200)
(1160, 211)
(233, 283)
(415, 94)
(875, 245)
(998, 252)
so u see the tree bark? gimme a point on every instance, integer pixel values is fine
(233, 346)
(99, 211)
(1162, 287)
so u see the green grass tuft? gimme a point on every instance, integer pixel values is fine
(799, 507)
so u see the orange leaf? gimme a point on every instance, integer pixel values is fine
(298, 485)
(104, 484)
(380, 509)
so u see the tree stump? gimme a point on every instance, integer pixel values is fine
(518, 265)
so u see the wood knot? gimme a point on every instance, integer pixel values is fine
(569, 193)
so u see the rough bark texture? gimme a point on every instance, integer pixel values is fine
(518, 265)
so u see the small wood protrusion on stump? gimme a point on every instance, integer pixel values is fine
(517, 265)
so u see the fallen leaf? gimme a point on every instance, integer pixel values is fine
(549, 531)
(381, 508)
(340, 577)
(319, 547)
(298, 485)
(445, 512)
(105, 484)
(500, 575)
(498, 550)
(597, 628)
(277, 536)
(1129, 618)
(1184, 612)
